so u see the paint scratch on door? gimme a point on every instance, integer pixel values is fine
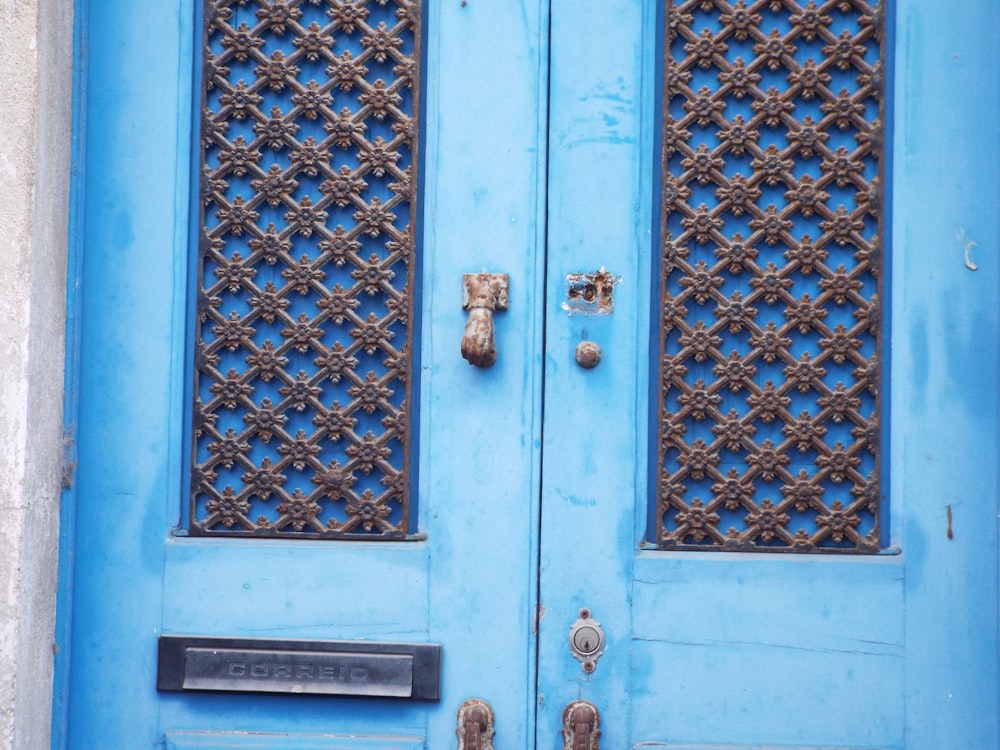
(969, 244)
(539, 616)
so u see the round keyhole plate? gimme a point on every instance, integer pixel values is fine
(587, 640)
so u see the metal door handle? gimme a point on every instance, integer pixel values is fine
(581, 726)
(475, 725)
(482, 295)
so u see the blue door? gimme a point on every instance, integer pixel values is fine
(780, 647)
(552, 522)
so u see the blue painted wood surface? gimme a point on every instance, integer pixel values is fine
(704, 649)
(258, 741)
(602, 115)
(945, 367)
(134, 579)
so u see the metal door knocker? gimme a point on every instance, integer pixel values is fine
(482, 295)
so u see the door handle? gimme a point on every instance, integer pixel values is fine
(581, 726)
(482, 295)
(475, 725)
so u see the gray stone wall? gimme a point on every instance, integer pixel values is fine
(36, 46)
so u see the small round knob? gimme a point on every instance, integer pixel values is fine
(588, 355)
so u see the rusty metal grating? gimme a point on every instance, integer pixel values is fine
(303, 362)
(770, 336)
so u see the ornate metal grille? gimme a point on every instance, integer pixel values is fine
(770, 332)
(303, 355)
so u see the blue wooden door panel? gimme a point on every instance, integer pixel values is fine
(480, 428)
(945, 318)
(897, 650)
(743, 647)
(601, 115)
(686, 746)
(251, 741)
(131, 309)
(262, 595)
(134, 579)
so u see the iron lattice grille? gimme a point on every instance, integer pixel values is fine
(768, 426)
(303, 358)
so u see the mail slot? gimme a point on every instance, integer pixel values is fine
(346, 668)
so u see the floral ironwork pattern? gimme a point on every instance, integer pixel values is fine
(770, 329)
(303, 368)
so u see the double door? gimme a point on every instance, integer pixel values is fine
(540, 159)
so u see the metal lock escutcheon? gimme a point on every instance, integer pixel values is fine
(586, 641)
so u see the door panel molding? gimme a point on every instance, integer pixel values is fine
(259, 741)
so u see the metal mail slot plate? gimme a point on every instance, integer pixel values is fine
(252, 665)
(332, 673)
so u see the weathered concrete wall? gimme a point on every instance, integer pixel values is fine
(35, 103)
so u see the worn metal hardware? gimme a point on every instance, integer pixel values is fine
(770, 307)
(588, 354)
(581, 726)
(482, 295)
(475, 725)
(255, 665)
(590, 293)
(303, 372)
(586, 641)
